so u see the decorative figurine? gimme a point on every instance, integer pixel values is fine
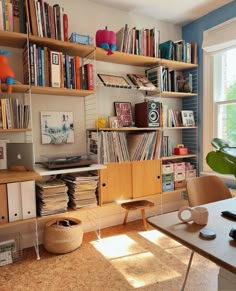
(6, 74)
(106, 39)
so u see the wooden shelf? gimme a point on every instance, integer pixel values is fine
(61, 91)
(7, 176)
(177, 157)
(69, 48)
(15, 129)
(180, 127)
(16, 88)
(169, 94)
(13, 39)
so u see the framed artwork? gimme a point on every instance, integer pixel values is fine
(114, 81)
(123, 112)
(187, 118)
(57, 127)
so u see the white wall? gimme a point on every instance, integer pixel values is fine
(86, 17)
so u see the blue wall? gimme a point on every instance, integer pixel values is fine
(194, 32)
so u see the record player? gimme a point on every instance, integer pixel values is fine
(69, 161)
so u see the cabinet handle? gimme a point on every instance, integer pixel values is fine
(158, 177)
(103, 184)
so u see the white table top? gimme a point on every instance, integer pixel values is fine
(221, 250)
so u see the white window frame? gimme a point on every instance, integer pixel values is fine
(215, 39)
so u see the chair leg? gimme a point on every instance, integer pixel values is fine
(188, 269)
(126, 216)
(144, 219)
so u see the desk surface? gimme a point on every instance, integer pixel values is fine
(221, 250)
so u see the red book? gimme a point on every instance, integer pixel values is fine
(90, 76)
(77, 72)
(65, 27)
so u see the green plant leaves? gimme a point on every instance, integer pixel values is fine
(223, 160)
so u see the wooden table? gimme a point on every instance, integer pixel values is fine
(221, 250)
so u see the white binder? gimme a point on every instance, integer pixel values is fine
(28, 199)
(14, 201)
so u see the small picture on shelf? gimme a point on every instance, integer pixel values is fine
(114, 81)
(113, 121)
(57, 127)
(187, 118)
(141, 82)
(123, 112)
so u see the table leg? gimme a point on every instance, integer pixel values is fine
(187, 272)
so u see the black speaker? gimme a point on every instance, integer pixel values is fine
(147, 114)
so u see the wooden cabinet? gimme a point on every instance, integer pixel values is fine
(146, 178)
(129, 180)
(115, 182)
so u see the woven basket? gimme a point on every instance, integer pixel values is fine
(62, 235)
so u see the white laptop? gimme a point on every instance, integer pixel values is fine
(20, 154)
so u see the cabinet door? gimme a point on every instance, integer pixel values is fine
(115, 182)
(146, 178)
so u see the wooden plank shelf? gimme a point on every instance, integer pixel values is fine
(7, 176)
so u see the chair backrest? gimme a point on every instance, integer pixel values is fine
(206, 189)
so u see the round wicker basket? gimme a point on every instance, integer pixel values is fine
(62, 235)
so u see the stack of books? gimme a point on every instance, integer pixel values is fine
(51, 197)
(82, 189)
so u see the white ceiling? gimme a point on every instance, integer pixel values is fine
(178, 12)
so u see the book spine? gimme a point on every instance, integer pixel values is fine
(77, 73)
(90, 76)
(8, 114)
(65, 27)
(4, 116)
(55, 69)
(33, 18)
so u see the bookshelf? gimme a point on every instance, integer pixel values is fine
(131, 174)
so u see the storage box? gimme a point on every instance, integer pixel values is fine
(179, 176)
(79, 38)
(190, 174)
(167, 168)
(179, 167)
(168, 177)
(180, 151)
(167, 186)
(180, 184)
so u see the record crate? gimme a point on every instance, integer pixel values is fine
(10, 248)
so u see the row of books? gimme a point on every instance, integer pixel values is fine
(46, 20)
(12, 16)
(55, 69)
(180, 50)
(133, 146)
(144, 42)
(170, 80)
(13, 114)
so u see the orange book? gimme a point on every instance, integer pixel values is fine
(77, 73)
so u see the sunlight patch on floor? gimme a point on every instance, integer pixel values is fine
(159, 239)
(117, 246)
(139, 267)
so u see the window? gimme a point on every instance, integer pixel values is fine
(219, 85)
(224, 94)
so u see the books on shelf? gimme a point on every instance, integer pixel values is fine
(14, 114)
(144, 41)
(55, 69)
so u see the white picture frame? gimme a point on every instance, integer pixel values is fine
(187, 118)
(57, 127)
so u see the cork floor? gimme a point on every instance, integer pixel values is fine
(126, 258)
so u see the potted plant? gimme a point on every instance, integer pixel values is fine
(223, 158)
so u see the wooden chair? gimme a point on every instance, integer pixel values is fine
(206, 189)
(137, 205)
